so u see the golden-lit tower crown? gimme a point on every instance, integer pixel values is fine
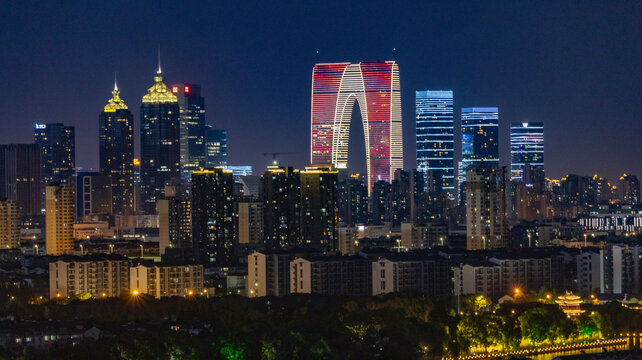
(115, 102)
(159, 92)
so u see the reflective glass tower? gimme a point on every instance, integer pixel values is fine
(375, 87)
(159, 142)
(116, 151)
(479, 138)
(435, 136)
(215, 147)
(192, 106)
(526, 147)
(57, 151)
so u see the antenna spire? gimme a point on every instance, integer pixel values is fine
(159, 62)
(115, 81)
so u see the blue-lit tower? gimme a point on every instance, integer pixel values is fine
(435, 136)
(526, 147)
(479, 138)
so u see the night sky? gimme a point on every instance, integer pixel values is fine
(574, 65)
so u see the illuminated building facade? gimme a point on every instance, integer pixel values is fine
(213, 216)
(435, 136)
(375, 88)
(93, 194)
(116, 151)
(159, 142)
(192, 107)
(479, 138)
(215, 147)
(165, 280)
(59, 218)
(526, 147)
(57, 151)
(319, 208)
(281, 192)
(100, 275)
(20, 171)
(9, 224)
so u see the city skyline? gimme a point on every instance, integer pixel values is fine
(517, 77)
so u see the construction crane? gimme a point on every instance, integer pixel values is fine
(275, 154)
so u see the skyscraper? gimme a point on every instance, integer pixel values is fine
(215, 147)
(159, 142)
(630, 189)
(486, 218)
(175, 223)
(479, 138)
(375, 87)
(20, 176)
(116, 151)
(59, 218)
(526, 147)
(213, 216)
(9, 224)
(281, 192)
(353, 201)
(93, 193)
(57, 151)
(319, 208)
(435, 136)
(192, 107)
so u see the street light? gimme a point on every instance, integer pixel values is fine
(36, 246)
(141, 250)
(81, 249)
(111, 248)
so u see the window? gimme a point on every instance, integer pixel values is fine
(383, 285)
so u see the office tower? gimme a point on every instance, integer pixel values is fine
(59, 218)
(375, 87)
(526, 147)
(486, 220)
(215, 147)
(380, 203)
(319, 207)
(281, 192)
(116, 152)
(175, 223)
(192, 107)
(57, 151)
(353, 201)
(435, 136)
(213, 216)
(93, 194)
(159, 142)
(20, 176)
(479, 138)
(9, 224)
(630, 189)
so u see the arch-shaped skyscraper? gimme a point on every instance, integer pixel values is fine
(375, 88)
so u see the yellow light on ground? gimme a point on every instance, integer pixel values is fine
(135, 292)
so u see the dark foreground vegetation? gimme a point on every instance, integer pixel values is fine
(398, 326)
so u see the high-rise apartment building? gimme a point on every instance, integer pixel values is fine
(20, 176)
(59, 218)
(486, 218)
(215, 147)
(93, 193)
(249, 223)
(213, 216)
(175, 222)
(630, 189)
(479, 138)
(9, 224)
(281, 192)
(192, 106)
(319, 208)
(375, 87)
(57, 151)
(526, 147)
(353, 201)
(159, 142)
(116, 152)
(435, 136)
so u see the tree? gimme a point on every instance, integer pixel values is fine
(472, 331)
(535, 324)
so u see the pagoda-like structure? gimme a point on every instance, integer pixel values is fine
(570, 304)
